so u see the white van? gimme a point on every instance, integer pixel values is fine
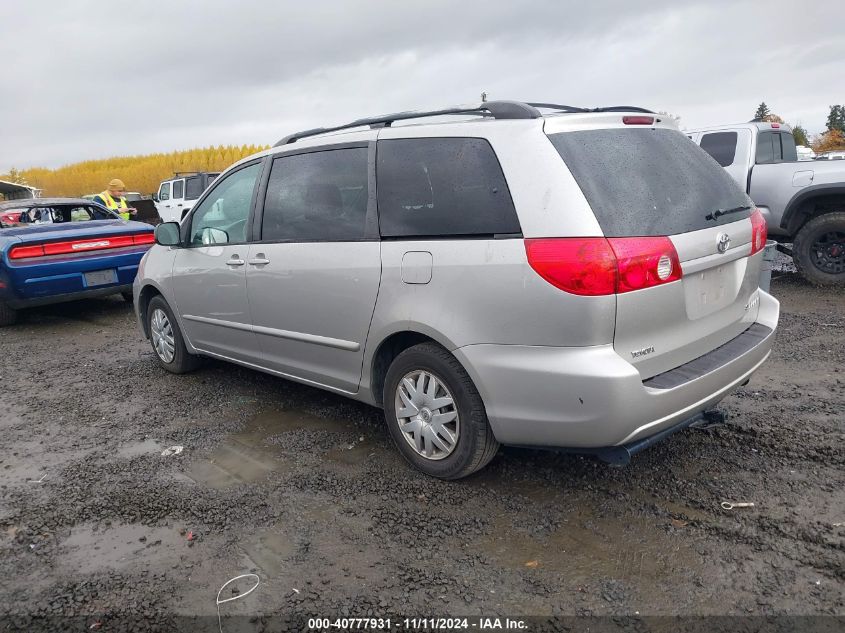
(176, 196)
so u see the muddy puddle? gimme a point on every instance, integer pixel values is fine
(270, 443)
(87, 549)
(145, 447)
(269, 550)
(585, 546)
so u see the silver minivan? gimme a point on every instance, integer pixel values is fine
(512, 273)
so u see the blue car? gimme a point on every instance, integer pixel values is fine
(61, 249)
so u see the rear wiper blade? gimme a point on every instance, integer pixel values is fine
(720, 212)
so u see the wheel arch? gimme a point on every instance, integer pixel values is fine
(811, 202)
(391, 345)
(144, 297)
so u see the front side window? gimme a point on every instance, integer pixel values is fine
(222, 216)
(721, 146)
(164, 192)
(178, 189)
(319, 196)
(436, 187)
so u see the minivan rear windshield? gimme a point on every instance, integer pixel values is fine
(645, 182)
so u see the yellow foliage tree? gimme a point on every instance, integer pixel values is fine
(139, 173)
(831, 140)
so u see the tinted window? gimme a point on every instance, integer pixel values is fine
(648, 182)
(193, 187)
(222, 216)
(317, 196)
(178, 188)
(790, 153)
(766, 152)
(442, 186)
(721, 146)
(164, 192)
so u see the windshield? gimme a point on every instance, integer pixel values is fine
(646, 182)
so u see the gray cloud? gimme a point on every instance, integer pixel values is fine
(100, 78)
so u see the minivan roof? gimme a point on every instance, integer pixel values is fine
(498, 110)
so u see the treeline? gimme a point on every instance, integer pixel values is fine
(833, 138)
(139, 173)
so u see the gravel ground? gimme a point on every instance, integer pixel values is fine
(304, 489)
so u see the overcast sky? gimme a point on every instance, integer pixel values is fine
(98, 78)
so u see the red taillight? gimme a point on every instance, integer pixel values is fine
(594, 266)
(644, 262)
(81, 246)
(759, 231)
(581, 266)
(638, 120)
(776, 125)
(19, 252)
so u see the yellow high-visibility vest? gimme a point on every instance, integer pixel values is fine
(114, 205)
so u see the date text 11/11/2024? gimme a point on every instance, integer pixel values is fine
(417, 624)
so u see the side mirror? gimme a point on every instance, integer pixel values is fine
(167, 234)
(212, 236)
(155, 197)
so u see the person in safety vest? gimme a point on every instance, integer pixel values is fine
(112, 198)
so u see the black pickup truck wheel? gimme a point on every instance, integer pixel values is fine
(819, 249)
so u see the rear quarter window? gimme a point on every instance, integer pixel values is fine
(439, 187)
(193, 187)
(648, 182)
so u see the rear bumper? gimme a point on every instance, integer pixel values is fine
(88, 293)
(590, 397)
(39, 283)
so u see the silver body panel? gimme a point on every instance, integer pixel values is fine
(553, 369)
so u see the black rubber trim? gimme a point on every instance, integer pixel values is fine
(711, 361)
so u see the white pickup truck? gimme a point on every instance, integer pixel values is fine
(803, 202)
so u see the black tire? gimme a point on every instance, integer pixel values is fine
(7, 315)
(182, 361)
(127, 297)
(475, 445)
(806, 253)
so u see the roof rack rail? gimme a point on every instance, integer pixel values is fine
(494, 109)
(623, 109)
(557, 106)
(573, 109)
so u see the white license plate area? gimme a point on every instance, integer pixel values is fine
(101, 277)
(710, 290)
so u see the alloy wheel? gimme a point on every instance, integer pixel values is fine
(828, 253)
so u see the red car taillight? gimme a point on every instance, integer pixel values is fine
(80, 246)
(593, 266)
(644, 262)
(759, 231)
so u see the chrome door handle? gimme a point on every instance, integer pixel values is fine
(258, 261)
(235, 262)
